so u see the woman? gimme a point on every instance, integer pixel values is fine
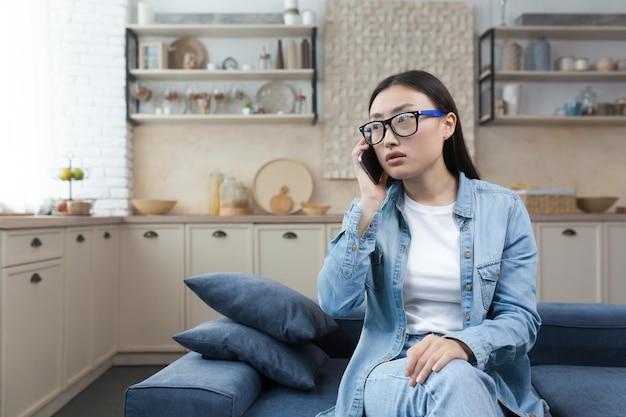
(445, 263)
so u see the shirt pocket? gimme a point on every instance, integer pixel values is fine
(489, 274)
(375, 280)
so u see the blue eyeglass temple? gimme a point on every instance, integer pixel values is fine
(434, 113)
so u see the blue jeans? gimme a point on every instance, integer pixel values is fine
(458, 390)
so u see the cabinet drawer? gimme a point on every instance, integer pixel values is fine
(25, 246)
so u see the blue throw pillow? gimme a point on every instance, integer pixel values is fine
(294, 366)
(263, 304)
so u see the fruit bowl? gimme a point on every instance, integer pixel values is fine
(78, 207)
(595, 204)
(146, 206)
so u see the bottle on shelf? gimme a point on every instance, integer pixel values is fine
(265, 60)
(280, 62)
(215, 183)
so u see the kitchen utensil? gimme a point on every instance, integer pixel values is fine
(511, 56)
(276, 97)
(511, 94)
(146, 206)
(581, 64)
(541, 55)
(186, 45)
(595, 204)
(281, 203)
(572, 108)
(278, 172)
(605, 64)
(566, 63)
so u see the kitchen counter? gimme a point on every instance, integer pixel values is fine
(29, 222)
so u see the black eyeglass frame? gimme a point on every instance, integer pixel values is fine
(417, 114)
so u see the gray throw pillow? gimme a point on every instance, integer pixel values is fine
(263, 304)
(294, 366)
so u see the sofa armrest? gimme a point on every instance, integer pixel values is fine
(581, 334)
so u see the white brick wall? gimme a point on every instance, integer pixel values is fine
(89, 99)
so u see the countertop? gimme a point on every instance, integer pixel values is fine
(29, 222)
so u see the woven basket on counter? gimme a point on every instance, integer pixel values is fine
(549, 201)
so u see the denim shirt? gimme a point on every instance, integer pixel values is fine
(498, 291)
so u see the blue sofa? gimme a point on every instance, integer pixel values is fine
(579, 368)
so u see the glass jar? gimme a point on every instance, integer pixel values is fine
(242, 199)
(215, 181)
(228, 194)
(587, 99)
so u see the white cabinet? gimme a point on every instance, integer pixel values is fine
(31, 319)
(79, 283)
(615, 244)
(292, 254)
(570, 262)
(215, 248)
(104, 296)
(91, 276)
(152, 269)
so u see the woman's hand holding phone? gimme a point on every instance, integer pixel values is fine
(371, 194)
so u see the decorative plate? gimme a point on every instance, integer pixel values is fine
(276, 97)
(230, 63)
(282, 172)
(182, 46)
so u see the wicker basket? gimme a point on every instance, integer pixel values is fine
(546, 202)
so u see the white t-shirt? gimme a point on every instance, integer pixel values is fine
(432, 283)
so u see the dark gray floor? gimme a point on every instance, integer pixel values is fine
(105, 397)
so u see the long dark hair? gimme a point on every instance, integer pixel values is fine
(455, 153)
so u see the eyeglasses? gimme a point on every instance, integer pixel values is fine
(403, 125)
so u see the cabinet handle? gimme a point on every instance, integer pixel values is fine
(150, 234)
(35, 243)
(107, 235)
(290, 235)
(569, 232)
(36, 278)
(80, 238)
(219, 234)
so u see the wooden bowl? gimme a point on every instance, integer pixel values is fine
(595, 204)
(313, 209)
(144, 206)
(79, 207)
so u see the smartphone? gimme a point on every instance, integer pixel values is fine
(369, 162)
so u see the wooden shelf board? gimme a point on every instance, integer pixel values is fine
(221, 75)
(223, 30)
(586, 33)
(221, 118)
(564, 121)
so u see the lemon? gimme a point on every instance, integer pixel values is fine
(65, 174)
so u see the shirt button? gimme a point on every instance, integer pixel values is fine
(465, 228)
(468, 287)
(353, 247)
(467, 318)
(468, 255)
